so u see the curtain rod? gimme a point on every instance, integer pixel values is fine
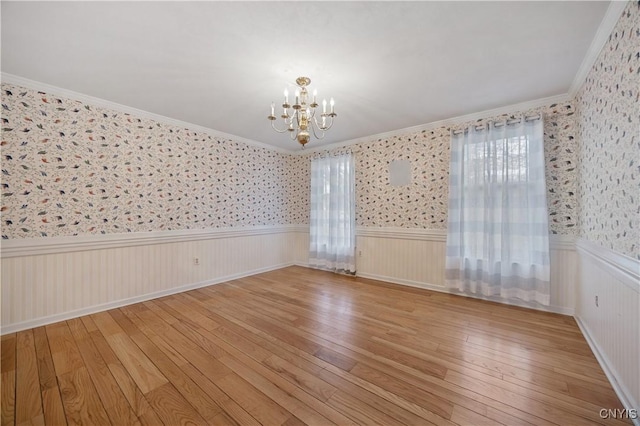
(332, 153)
(500, 124)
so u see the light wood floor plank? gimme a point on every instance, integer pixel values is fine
(81, 402)
(298, 346)
(203, 404)
(204, 381)
(265, 410)
(28, 397)
(272, 384)
(8, 386)
(171, 406)
(111, 396)
(318, 367)
(142, 370)
(51, 399)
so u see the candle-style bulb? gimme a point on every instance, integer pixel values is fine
(286, 96)
(332, 102)
(324, 106)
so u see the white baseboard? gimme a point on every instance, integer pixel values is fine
(554, 309)
(623, 393)
(37, 322)
(401, 281)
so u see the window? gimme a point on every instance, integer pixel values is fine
(332, 216)
(497, 173)
(497, 239)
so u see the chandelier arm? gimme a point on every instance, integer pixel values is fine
(313, 129)
(315, 121)
(327, 127)
(273, 125)
(330, 124)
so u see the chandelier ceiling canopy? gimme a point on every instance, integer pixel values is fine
(300, 119)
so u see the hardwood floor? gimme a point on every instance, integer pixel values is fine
(298, 346)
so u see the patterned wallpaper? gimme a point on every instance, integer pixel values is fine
(608, 111)
(70, 168)
(298, 189)
(423, 203)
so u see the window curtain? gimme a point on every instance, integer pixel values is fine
(332, 217)
(498, 232)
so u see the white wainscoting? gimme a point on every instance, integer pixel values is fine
(416, 257)
(46, 280)
(612, 328)
(301, 245)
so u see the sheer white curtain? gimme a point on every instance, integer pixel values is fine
(498, 232)
(332, 219)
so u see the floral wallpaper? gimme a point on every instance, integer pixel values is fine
(423, 203)
(298, 189)
(608, 106)
(70, 168)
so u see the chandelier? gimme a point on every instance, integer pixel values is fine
(300, 118)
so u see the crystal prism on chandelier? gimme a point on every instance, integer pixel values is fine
(300, 118)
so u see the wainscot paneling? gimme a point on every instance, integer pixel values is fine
(46, 280)
(608, 312)
(416, 257)
(301, 245)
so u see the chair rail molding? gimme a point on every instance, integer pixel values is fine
(556, 241)
(624, 268)
(52, 245)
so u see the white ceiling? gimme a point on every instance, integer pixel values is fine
(389, 65)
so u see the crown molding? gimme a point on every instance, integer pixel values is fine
(508, 109)
(608, 23)
(103, 103)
